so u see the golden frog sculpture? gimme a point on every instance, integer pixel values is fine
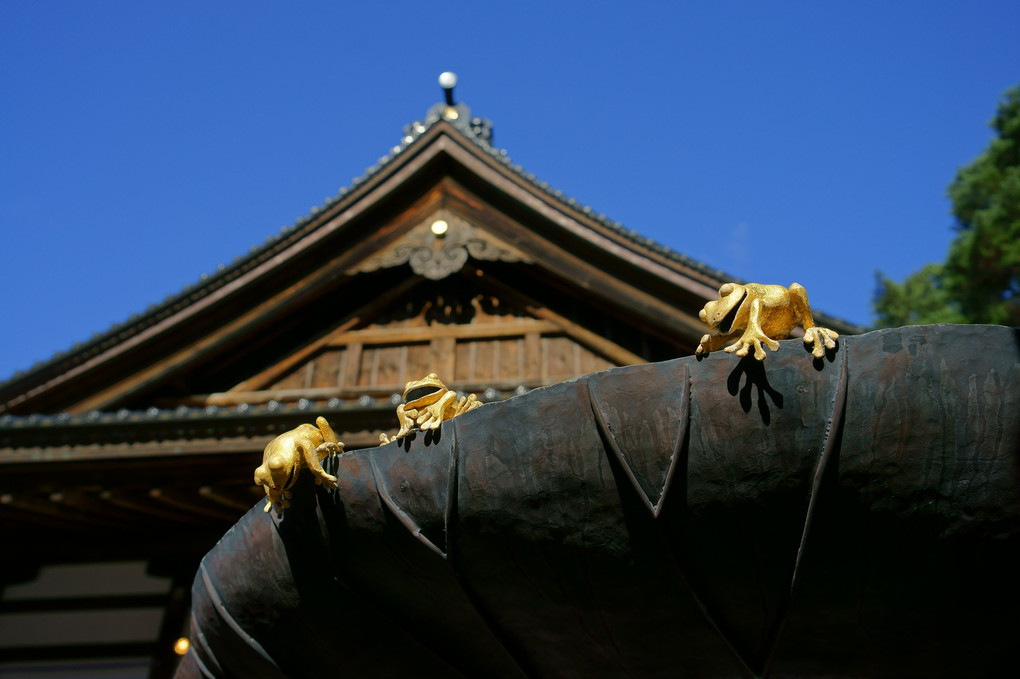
(305, 446)
(758, 314)
(427, 402)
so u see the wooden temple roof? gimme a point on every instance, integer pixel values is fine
(440, 166)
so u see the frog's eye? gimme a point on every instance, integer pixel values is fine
(726, 289)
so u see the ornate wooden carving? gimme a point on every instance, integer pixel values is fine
(437, 256)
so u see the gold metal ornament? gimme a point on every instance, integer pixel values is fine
(427, 402)
(305, 446)
(757, 314)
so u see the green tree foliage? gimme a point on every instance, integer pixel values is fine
(980, 280)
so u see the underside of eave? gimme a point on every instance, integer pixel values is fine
(145, 502)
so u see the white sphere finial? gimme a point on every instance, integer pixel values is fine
(447, 80)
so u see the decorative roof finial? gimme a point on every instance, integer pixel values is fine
(457, 114)
(448, 80)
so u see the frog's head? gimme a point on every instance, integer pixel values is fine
(424, 391)
(722, 312)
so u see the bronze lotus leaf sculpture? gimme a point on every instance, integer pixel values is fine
(854, 519)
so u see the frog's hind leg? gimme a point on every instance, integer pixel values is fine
(799, 302)
(328, 435)
(310, 454)
(753, 336)
(816, 337)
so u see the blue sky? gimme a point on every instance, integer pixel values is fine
(143, 144)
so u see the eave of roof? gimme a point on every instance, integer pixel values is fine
(184, 422)
(417, 135)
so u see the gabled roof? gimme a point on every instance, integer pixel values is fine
(441, 163)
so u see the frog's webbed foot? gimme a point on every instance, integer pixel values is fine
(404, 431)
(820, 339)
(467, 403)
(705, 345)
(329, 449)
(323, 450)
(429, 418)
(752, 338)
(710, 343)
(278, 503)
(406, 421)
(324, 479)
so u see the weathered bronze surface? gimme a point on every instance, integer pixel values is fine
(754, 314)
(853, 516)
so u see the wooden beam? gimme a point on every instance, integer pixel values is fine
(149, 508)
(88, 504)
(175, 498)
(132, 450)
(217, 496)
(352, 366)
(443, 355)
(44, 653)
(226, 399)
(26, 514)
(83, 603)
(533, 356)
(459, 331)
(56, 510)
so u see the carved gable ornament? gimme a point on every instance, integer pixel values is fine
(437, 255)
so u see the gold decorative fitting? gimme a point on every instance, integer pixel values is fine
(427, 402)
(757, 314)
(305, 446)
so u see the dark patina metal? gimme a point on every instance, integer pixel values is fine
(850, 516)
